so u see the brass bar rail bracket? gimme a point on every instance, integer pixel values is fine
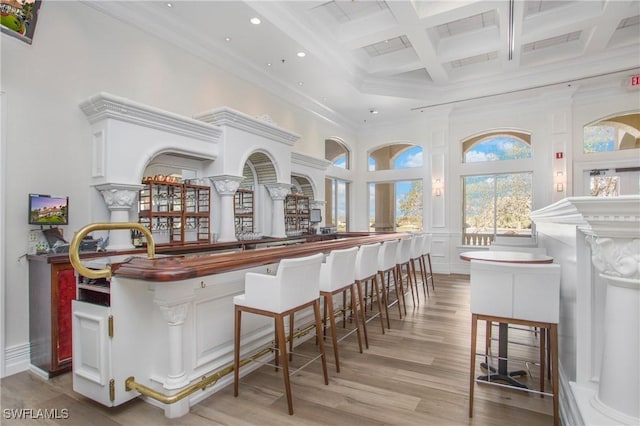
(74, 247)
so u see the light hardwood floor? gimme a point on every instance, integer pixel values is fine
(415, 374)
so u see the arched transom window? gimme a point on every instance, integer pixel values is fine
(496, 146)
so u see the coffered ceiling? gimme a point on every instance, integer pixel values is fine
(400, 57)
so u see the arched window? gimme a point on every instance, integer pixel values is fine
(396, 156)
(495, 202)
(612, 134)
(496, 146)
(337, 153)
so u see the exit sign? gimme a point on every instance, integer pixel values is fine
(635, 80)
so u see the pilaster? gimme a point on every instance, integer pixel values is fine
(119, 198)
(226, 186)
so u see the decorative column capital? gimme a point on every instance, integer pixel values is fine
(119, 196)
(226, 184)
(278, 191)
(616, 257)
(173, 314)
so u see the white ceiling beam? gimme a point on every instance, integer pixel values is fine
(614, 12)
(407, 17)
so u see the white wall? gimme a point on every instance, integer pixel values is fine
(78, 52)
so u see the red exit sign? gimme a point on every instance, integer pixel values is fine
(635, 80)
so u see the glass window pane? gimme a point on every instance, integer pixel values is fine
(496, 149)
(479, 209)
(396, 156)
(604, 186)
(599, 139)
(409, 206)
(513, 204)
(395, 206)
(496, 204)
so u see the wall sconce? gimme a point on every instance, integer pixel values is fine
(437, 186)
(559, 181)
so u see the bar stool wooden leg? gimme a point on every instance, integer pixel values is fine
(323, 357)
(543, 356)
(385, 299)
(377, 290)
(397, 279)
(356, 321)
(433, 284)
(361, 308)
(236, 351)
(291, 325)
(425, 279)
(328, 301)
(284, 359)
(472, 366)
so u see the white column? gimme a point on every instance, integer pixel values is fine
(226, 186)
(618, 394)
(278, 192)
(119, 198)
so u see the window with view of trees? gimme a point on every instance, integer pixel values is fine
(496, 204)
(395, 206)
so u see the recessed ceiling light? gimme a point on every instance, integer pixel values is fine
(301, 83)
(301, 54)
(268, 64)
(227, 39)
(169, 4)
(255, 21)
(373, 111)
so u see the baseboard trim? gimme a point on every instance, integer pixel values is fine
(569, 410)
(16, 359)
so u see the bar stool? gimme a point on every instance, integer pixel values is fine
(295, 286)
(337, 276)
(426, 257)
(403, 260)
(522, 294)
(367, 270)
(387, 266)
(417, 245)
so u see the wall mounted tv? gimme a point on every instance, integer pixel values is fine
(48, 210)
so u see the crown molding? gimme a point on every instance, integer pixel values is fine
(225, 116)
(104, 105)
(308, 161)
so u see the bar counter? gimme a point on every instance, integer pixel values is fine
(181, 267)
(161, 328)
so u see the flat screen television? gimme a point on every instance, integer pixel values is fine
(48, 210)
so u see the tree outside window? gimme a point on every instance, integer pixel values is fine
(497, 204)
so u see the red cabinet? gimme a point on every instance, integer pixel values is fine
(52, 287)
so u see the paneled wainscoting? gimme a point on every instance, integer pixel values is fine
(415, 374)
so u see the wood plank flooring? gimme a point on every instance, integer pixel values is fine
(415, 374)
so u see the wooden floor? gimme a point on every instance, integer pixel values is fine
(415, 374)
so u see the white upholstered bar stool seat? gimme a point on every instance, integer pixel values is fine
(337, 276)
(522, 294)
(295, 286)
(367, 270)
(387, 270)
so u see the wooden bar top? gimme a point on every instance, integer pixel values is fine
(181, 267)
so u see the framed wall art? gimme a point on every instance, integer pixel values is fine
(18, 18)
